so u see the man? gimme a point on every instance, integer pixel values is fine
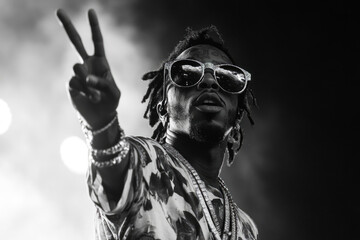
(167, 187)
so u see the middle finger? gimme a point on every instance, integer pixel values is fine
(96, 34)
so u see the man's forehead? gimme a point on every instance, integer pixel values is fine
(205, 53)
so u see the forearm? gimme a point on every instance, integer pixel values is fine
(108, 153)
(107, 138)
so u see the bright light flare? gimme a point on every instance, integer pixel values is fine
(74, 154)
(5, 117)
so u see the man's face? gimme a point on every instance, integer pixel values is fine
(204, 112)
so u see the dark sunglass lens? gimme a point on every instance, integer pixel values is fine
(186, 73)
(231, 78)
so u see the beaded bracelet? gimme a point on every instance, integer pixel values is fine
(109, 163)
(90, 133)
(124, 150)
(121, 146)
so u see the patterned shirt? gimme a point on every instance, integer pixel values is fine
(158, 200)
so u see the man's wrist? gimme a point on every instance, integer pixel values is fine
(102, 137)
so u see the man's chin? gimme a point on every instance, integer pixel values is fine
(207, 133)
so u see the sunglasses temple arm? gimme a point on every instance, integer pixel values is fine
(164, 86)
(247, 75)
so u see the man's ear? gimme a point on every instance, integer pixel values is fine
(160, 108)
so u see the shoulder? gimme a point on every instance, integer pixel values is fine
(150, 150)
(248, 225)
(148, 146)
(146, 143)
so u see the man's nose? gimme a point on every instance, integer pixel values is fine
(208, 81)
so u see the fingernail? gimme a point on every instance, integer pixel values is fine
(91, 79)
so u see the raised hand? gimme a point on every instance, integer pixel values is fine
(92, 90)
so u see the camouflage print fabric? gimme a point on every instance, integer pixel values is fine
(158, 200)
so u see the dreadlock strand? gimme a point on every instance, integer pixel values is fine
(254, 101)
(146, 96)
(149, 106)
(156, 133)
(241, 139)
(155, 98)
(150, 75)
(248, 114)
(231, 153)
(150, 89)
(146, 112)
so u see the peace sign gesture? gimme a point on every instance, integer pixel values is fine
(93, 91)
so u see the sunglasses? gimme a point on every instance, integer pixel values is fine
(188, 73)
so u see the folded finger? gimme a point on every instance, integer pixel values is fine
(74, 93)
(76, 85)
(72, 33)
(96, 34)
(97, 83)
(81, 71)
(94, 95)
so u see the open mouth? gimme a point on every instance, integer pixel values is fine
(209, 102)
(211, 99)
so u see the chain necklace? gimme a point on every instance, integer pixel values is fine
(206, 203)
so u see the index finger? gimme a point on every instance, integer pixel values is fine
(72, 33)
(96, 34)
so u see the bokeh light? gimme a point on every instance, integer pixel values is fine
(73, 152)
(5, 119)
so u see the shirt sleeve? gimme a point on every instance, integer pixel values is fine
(142, 163)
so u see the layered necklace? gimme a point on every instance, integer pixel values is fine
(205, 201)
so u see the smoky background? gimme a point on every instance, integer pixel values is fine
(291, 175)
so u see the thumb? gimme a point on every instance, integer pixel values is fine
(97, 82)
(95, 95)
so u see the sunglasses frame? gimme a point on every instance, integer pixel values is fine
(204, 66)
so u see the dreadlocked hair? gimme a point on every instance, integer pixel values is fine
(243, 108)
(154, 93)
